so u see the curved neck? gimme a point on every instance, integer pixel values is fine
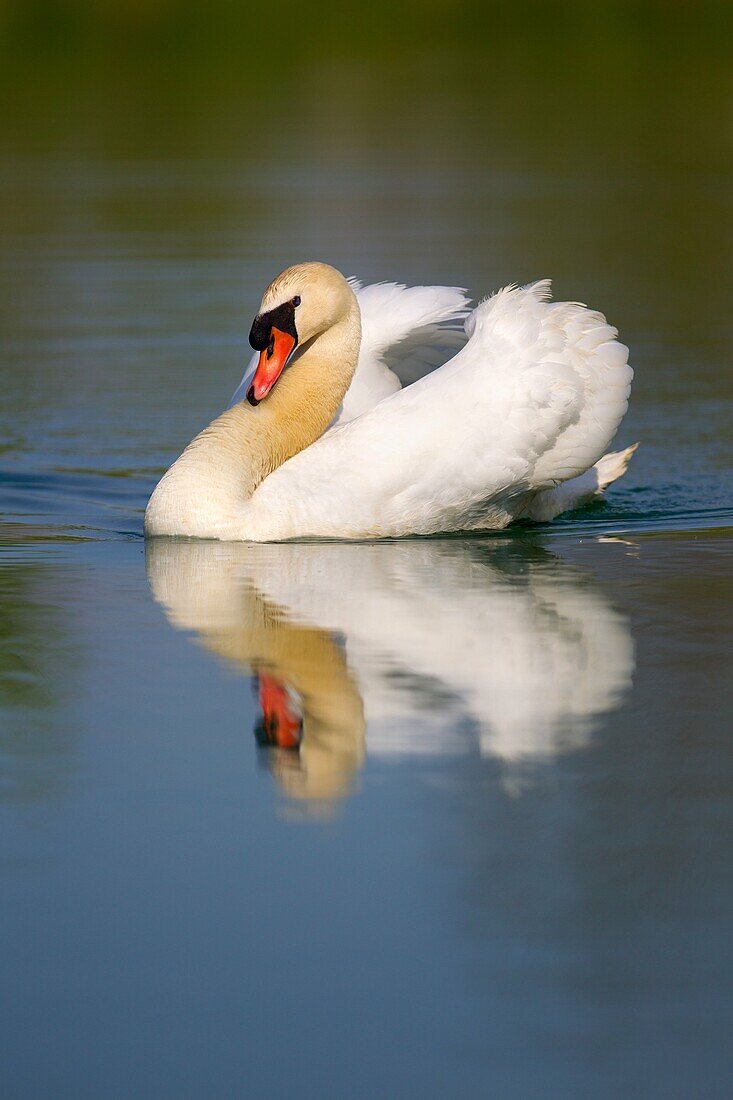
(306, 398)
(297, 412)
(221, 468)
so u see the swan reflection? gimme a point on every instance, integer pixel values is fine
(407, 647)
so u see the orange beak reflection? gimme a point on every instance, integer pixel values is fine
(282, 724)
(273, 361)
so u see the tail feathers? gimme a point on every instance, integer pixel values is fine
(613, 466)
(580, 490)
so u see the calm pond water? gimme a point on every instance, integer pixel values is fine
(495, 860)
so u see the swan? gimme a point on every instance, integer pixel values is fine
(513, 426)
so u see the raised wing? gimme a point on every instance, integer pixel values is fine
(571, 376)
(406, 332)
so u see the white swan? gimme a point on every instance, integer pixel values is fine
(513, 426)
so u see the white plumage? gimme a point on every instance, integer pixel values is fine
(405, 333)
(513, 425)
(531, 401)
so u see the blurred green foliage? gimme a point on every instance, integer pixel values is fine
(276, 33)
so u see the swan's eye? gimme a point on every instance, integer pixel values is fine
(296, 300)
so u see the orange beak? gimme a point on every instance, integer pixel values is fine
(282, 725)
(273, 361)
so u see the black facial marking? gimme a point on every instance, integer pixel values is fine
(282, 318)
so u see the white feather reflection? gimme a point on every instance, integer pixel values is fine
(415, 647)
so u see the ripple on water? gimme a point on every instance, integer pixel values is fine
(80, 503)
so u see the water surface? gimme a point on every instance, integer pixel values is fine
(419, 818)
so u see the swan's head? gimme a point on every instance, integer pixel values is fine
(300, 304)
